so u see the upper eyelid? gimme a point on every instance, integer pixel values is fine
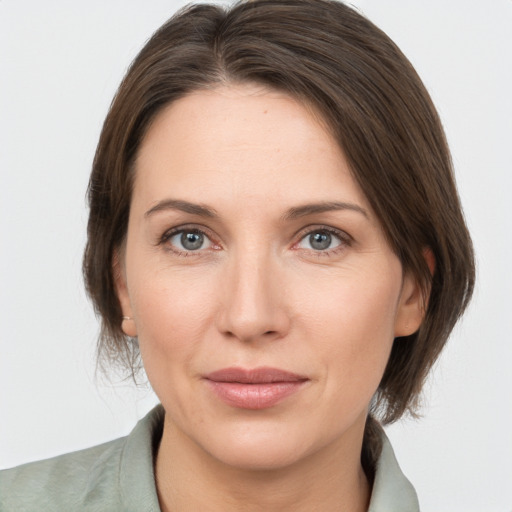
(187, 227)
(321, 227)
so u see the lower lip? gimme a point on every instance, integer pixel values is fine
(254, 396)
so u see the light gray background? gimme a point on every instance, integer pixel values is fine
(60, 63)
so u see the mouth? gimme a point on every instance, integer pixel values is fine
(258, 388)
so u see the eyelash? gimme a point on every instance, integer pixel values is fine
(168, 235)
(345, 240)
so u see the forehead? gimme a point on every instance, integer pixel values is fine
(245, 139)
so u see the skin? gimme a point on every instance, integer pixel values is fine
(258, 293)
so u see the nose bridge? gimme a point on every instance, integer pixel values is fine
(253, 304)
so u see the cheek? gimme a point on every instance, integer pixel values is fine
(173, 312)
(173, 316)
(352, 325)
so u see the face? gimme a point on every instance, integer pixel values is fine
(262, 290)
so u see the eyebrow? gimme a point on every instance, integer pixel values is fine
(327, 206)
(293, 213)
(184, 206)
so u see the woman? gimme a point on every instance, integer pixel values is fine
(274, 224)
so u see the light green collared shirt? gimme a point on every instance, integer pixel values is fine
(118, 476)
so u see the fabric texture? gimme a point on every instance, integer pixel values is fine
(119, 476)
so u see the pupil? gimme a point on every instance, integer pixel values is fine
(192, 241)
(320, 241)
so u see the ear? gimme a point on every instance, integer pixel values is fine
(413, 300)
(127, 322)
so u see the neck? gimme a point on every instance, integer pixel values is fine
(189, 478)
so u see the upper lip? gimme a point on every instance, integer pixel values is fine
(261, 375)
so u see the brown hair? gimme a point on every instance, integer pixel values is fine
(328, 56)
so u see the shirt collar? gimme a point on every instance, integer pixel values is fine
(391, 489)
(136, 472)
(391, 492)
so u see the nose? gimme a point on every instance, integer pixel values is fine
(253, 300)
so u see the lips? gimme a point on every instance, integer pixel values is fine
(258, 388)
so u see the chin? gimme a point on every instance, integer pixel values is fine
(264, 447)
(259, 456)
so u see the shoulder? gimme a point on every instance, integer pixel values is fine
(117, 475)
(61, 483)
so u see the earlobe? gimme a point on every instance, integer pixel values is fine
(128, 326)
(413, 300)
(127, 321)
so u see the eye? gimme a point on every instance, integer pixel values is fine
(321, 240)
(187, 240)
